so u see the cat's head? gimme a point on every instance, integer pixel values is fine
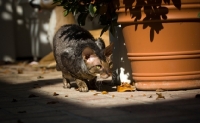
(96, 65)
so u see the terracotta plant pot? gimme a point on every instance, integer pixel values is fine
(170, 58)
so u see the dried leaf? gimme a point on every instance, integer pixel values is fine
(66, 95)
(40, 77)
(95, 94)
(104, 92)
(52, 102)
(113, 96)
(55, 94)
(32, 96)
(160, 96)
(126, 98)
(150, 96)
(20, 71)
(125, 87)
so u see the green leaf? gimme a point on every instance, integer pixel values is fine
(66, 12)
(92, 10)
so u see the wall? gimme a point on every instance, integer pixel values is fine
(23, 31)
(23, 34)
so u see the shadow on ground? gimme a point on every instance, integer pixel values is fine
(37, 102)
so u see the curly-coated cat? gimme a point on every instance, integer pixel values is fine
(80, 56)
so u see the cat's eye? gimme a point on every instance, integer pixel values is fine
(98, 66)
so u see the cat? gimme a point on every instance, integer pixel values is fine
(80, 57)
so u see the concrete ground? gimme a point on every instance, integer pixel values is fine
(36, 95)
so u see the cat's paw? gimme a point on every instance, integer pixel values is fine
(66, 84)
(83, 89)
(82, 86)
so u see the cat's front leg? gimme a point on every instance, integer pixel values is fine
(66, 80)
(82, 86)
(66, 83)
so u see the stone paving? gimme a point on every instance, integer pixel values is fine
(35, 95)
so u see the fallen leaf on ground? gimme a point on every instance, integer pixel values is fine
(40, 77)
(125, 87)
(113, 96)
(32, 96)
(66, 95)
(95, 94)
(104, 92)
(55, 94)
(160, 96)
(150, 96)
(20, 71)
(52, 102)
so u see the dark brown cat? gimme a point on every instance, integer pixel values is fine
(80, 57)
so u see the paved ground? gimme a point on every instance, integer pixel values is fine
(33, 95)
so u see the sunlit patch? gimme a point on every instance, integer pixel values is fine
(19, 10)
(8, 7)
(7, 58)
(20, 21)
(43, 38)
(6, 16)
(45, 26)
(124, 76)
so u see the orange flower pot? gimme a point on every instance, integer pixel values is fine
(170, 58)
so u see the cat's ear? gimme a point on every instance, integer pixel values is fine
(87, 52)
(100, 43)
(108, 50)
